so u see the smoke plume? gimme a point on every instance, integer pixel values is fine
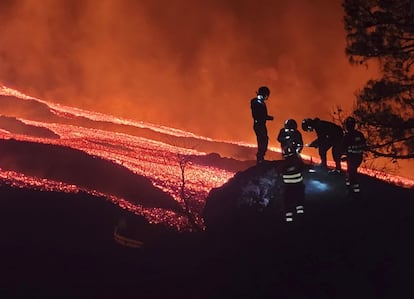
(189, 64)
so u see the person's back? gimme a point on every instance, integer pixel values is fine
(354, 142)
(329, 135)
(289, 133)
(328, 130)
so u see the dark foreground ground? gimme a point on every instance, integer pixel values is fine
(56, 245)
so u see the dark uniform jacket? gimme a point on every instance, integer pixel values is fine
(259, 111)
(326, 132)
(353, 143)
(286, 136)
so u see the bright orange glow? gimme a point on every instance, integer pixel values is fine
(152, 159)
(155, 160)
(142, 64)
(145, 60)
(126, 148)
(195, 73)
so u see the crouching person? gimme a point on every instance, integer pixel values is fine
(353, 144)
(291, 169)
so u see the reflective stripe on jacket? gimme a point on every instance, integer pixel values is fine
(355, 149)
(292, 178)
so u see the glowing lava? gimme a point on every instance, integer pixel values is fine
(155, 160)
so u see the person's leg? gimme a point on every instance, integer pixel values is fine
(262, 142)
(347, 175)
(259, 141)
(300, 199)
(289, 206)
(354, 162)
(336, 154)
(322, 150)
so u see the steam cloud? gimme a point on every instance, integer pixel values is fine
(190, 64)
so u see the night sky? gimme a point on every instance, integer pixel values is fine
(189, 64)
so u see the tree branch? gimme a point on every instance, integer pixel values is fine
(390, 142)
(391, 155)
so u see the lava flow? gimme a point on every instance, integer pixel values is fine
(155, 160)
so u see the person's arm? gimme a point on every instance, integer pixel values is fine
(280, 136)
(299, 142)
(314, 143)
(268, 117)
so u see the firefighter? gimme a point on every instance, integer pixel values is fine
(329, 135)
(291, 169)
(353, 146)
(260, 116)
(289, 133)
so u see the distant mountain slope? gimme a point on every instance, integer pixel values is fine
(15, 126)
(28, 108)
(32, 109)
(76, 167)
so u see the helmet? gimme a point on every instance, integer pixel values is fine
(350, 123)
(291, 124)
(307, 125)
(263, 91)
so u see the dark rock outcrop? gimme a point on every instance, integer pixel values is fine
(255, 193)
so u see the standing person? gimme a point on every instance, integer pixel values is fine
(291, 169)
(353, 147)
(260, 116)
(329, 135)
(290, 133)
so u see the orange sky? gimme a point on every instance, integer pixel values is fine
(190, 64)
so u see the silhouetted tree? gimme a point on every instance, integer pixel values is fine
(338, 115)
(383, 31)
(186, 195)
(183, 162)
